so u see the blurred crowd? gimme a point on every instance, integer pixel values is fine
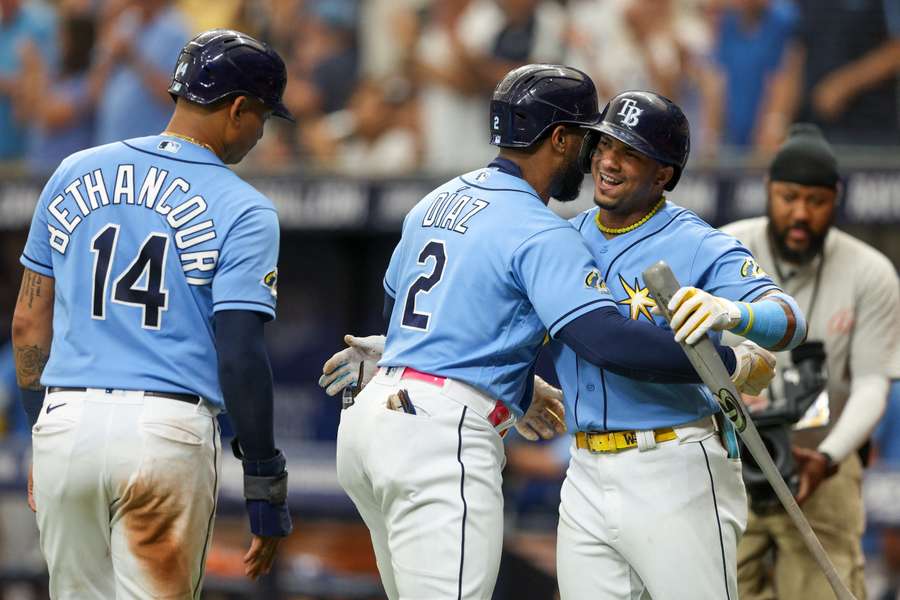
(393, 87)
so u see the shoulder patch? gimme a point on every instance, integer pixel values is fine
(594, 280)
(751, 269)
(271, 281)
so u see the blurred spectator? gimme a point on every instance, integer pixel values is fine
(58, 106)
(323, 72)
(137, 49)
(370, 137)
(21, 24)
(886, 437)
(636, 44)
(456, 51)
(203, 14)
(750, 42)
(841, 73)
(526, 31)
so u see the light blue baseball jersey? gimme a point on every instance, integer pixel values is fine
(146, 239)
(482, 272)
(700, 256)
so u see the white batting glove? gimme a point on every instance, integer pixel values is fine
(694, 312)
(754, 368)
(545, 418)
(342, 369)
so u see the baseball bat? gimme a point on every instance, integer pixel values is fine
(703, 356)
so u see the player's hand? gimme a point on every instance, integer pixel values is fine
(342, 369)
(694, 312)
(754, 368)
(544, 419)
(812, 467)
(31, 503)
(259, 558)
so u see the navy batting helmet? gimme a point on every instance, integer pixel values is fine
(649, 123)
(532, 99)
(222, 62)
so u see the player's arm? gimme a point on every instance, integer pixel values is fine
(774, 321)
(244, 290)
(729, 291)
(32, 332)
(556, 271)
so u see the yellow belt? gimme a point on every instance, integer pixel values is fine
(613, 441)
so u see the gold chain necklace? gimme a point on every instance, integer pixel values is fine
(633, 226)
(189, 139)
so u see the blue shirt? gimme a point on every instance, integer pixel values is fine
(146, 239)
(34, 22)
(482, 272)
(47, 148)
(700, 256)
(749, 57)
(127, 108)
(887, 433)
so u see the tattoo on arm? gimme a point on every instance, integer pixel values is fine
(30, 361)
(31, 288)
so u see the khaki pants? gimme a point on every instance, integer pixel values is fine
(835, 512)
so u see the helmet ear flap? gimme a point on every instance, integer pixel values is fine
(588, 144)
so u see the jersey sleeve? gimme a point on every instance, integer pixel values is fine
(391, 275)
(555, 269)
(37, 254)
(247, 274)
(876, 331)
(724, 267)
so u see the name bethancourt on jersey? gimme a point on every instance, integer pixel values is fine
(89, 192)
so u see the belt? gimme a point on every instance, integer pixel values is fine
(499, 415)
(613, 441)
(189, 398)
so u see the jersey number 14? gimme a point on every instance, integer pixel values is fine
(141, 284)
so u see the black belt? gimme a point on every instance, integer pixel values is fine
(189, 398)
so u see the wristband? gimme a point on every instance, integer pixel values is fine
(266, 479)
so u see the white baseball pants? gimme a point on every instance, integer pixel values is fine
(659, 522)
(125, 488)
(427, 486)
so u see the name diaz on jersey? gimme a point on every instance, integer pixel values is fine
(89, 192)
(446, 209)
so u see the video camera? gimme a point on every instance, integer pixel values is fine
(804, 382)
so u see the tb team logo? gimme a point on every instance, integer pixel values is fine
(630, 112)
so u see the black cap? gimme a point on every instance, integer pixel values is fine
(805, 158)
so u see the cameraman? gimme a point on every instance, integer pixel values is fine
(849, 294)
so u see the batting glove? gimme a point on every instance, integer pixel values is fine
(545, 416)
(342, 369)
(754, 368)
(694, 312)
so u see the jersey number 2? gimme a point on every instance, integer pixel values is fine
(147, 267)
(422, 285)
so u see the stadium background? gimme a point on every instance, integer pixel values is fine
(391, 98)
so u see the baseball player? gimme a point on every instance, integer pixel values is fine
(483, 271)
(653, 503)
(150, 269)
(850, 293)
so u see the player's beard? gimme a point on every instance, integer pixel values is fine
(566, 184)
(799, 257)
